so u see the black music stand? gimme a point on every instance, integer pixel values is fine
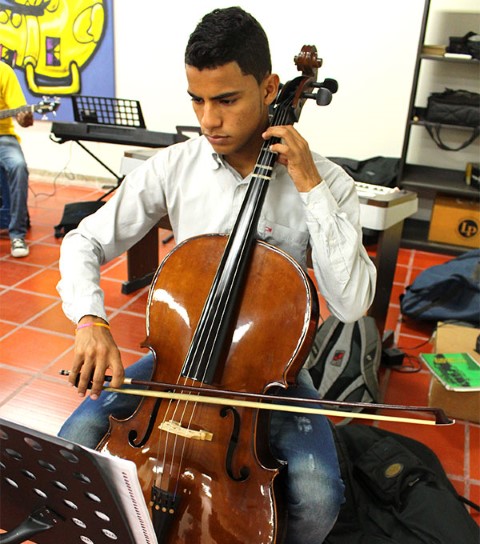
(122, 113)
(52, 488)
(119, 112)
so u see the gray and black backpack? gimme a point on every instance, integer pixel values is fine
(344, 360)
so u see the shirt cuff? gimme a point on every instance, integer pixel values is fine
(319, 200)
(82, 309)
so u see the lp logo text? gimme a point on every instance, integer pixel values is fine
(468, 228)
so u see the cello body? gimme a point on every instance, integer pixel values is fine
(208, 472)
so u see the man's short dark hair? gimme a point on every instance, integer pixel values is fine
(230, 35)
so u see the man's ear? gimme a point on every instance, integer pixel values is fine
(270, 86)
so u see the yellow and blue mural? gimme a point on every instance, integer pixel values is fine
(59, 47)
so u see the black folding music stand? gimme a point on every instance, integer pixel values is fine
(120, 112)
(123, 113)
(55, 491)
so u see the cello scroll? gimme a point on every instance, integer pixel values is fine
(297, 91)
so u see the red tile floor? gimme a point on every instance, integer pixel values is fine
(36, 340)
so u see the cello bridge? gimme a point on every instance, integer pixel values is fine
(176, 428)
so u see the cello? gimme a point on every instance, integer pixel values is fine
(207, 469)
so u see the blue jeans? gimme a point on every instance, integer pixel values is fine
(314, 488)
(13, 169)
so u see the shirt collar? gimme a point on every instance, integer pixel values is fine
(218, 161)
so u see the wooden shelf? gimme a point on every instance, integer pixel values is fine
(429, 180)
(449, 59)
(418, 120)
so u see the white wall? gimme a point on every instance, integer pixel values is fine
(369, 46)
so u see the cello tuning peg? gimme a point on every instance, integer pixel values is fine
(323, 96)
(328, 83)
(331, 84)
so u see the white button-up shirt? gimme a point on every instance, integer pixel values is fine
(202, 194)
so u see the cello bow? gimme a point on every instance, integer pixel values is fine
(225, 396)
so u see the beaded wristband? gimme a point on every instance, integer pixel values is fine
(91, 324)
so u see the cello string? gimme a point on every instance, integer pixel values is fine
(159, 469)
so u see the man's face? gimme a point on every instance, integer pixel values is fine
(232, 108)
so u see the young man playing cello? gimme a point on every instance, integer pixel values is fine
(200, 185)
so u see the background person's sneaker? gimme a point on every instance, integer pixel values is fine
(19, 248)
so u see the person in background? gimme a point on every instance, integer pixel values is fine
(200, 184)
(13, 167)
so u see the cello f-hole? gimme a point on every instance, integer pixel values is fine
(133, 435)
(244, 472)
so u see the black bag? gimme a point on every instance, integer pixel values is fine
(376, 170)
(453, 107)
(344, 360)
(73, 214)
(465, 45)
(445, 292)
(396, 492)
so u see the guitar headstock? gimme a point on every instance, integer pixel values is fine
(47, 105)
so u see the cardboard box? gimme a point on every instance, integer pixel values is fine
(455, 221)
(456, 404)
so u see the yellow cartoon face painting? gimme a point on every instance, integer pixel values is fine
(51, 40)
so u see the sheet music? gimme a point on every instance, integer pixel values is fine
(122, 476)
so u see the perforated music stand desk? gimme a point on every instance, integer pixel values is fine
(115, 112)
(109, 114)
(51, 488)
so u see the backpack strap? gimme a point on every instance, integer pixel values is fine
(371, 354)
